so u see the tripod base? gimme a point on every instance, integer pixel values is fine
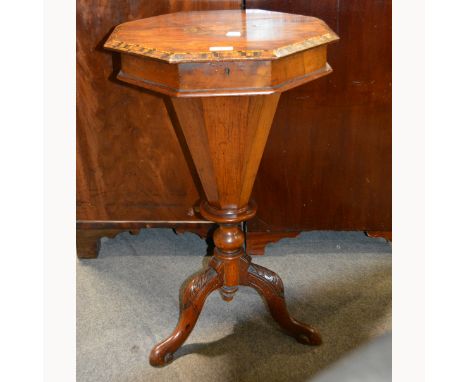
(267, 283)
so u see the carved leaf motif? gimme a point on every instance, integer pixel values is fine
(196, 285)
(271, 277)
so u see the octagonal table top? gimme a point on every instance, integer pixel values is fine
(227, 35)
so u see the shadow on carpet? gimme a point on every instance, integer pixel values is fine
(128, 299)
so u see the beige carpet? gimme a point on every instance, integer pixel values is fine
(128, 299)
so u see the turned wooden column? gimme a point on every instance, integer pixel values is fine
(224, 72)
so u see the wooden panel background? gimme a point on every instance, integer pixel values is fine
(129, 162)
(327, 164)
(328, 160)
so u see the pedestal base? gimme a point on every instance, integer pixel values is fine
(267, 283)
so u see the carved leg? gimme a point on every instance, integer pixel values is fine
(195, 294)
(269, 285)
(229, 268)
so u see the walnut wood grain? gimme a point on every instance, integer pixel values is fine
(267, 283)
(255, 35)
(197, 290)
(226, 136)
(273, 52)
(270, 286)
(334, 132)
(224, 78)
(152, 179)
(227, 175)
(328, 162)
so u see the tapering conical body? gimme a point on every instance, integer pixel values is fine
(226, 137)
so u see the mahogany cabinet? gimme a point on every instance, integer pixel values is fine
(327, 163)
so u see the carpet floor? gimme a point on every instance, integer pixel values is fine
(128, 299)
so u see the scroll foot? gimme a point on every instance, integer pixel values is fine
(269, 285)
(195, 294)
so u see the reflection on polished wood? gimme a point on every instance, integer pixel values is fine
(171, 53)
(225, 104)
(220, 35)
